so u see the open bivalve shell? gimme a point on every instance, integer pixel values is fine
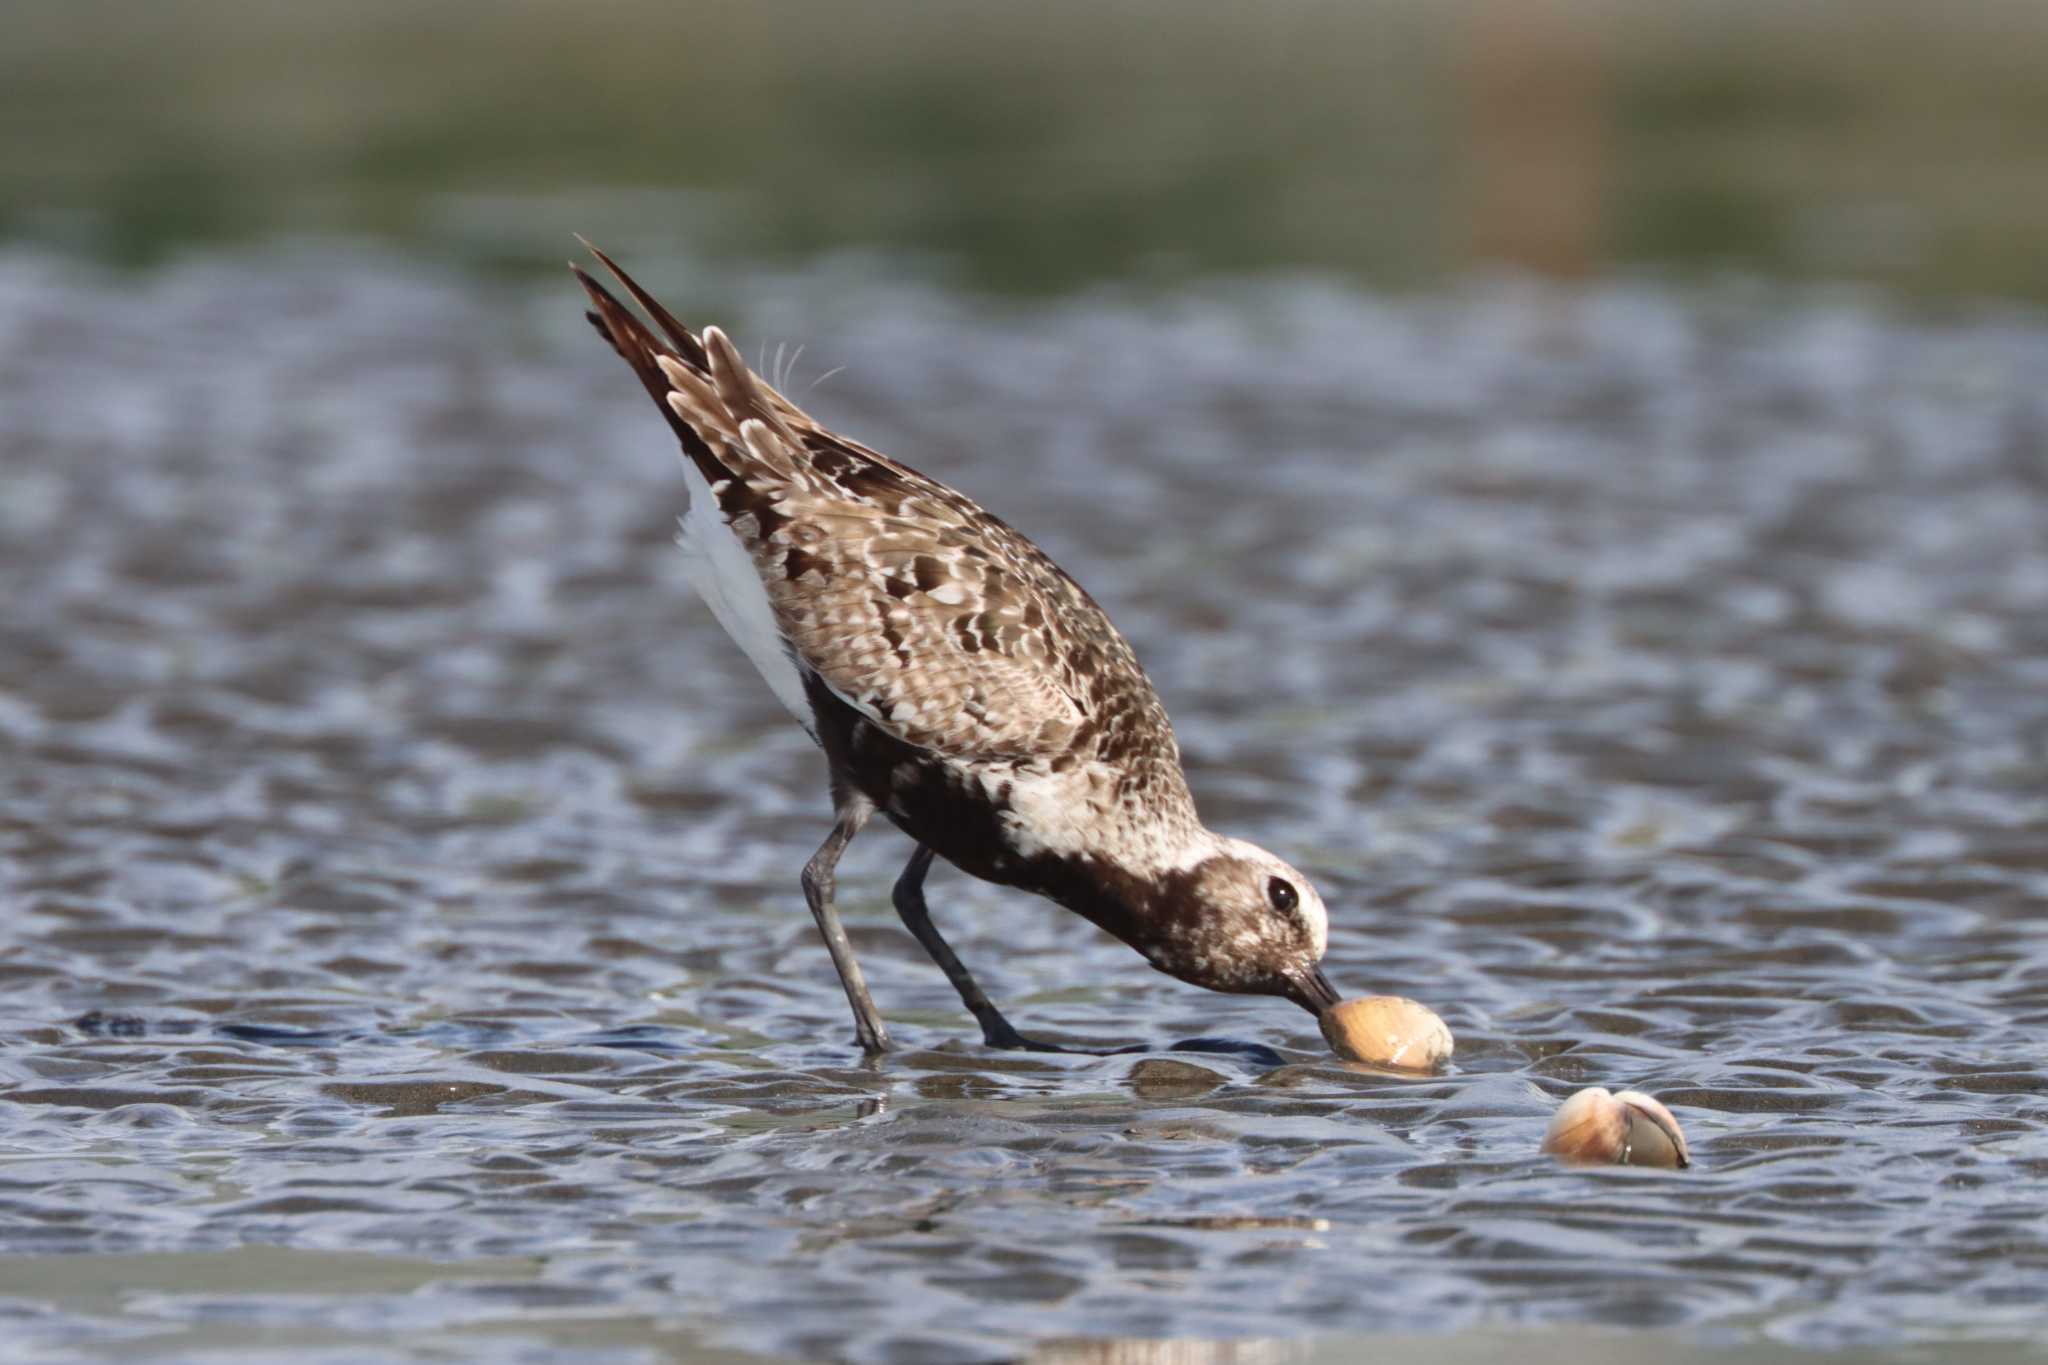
(1595, 1127)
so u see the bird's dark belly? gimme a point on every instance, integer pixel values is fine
(927, 798)
(960, 825)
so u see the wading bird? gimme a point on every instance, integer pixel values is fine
(960, 683)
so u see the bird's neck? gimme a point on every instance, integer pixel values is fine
(1147, 902)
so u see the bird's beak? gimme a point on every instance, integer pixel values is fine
(1312, 990)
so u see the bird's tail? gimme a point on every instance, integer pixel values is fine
(641, 350)
(700, 383)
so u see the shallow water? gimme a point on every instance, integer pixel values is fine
(1654, 683)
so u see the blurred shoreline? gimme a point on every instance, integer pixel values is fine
(1046, 150)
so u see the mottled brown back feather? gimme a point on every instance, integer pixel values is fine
(933, 619)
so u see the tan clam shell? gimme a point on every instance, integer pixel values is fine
(1388, 1030)
(1588, 1127)
(1597, 1127)
(1654, 1137)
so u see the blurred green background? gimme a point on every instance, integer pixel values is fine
(1045, 146)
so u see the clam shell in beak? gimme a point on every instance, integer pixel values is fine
(1388, 1030)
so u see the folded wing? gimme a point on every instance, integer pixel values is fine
(932, 618)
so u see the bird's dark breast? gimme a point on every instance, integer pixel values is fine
(960, 817)
(922, 794)
(961, 820)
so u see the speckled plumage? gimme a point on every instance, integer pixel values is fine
(956, 677)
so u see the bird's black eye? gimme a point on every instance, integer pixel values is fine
(1281, 892)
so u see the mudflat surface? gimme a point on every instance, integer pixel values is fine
(399, 868)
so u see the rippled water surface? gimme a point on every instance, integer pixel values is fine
(401, 930)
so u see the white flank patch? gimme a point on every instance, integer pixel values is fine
(1049, 813)
(1065, 814)
(725, 577)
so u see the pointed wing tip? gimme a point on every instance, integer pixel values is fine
(606, 261)
(591, 247)
(678, 335)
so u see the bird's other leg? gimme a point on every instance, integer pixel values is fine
(819, 883)
(909, 896)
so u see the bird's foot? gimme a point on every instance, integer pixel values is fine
(873, 1040)
(997, 1033)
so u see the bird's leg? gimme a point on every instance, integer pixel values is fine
(819, 883)
(909, 897)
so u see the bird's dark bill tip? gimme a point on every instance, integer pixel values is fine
(1313, 991)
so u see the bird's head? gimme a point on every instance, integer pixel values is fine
(1235, 918)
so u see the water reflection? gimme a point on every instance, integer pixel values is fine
(1171, 1353)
